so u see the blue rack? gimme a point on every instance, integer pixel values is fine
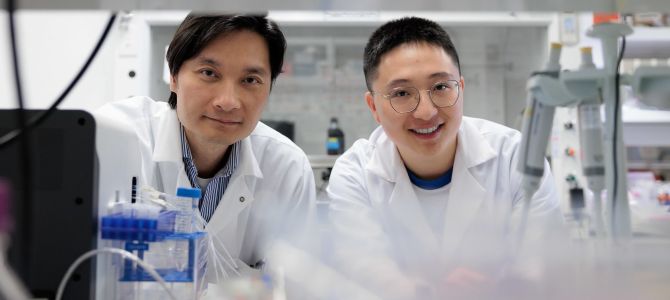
(138, 233)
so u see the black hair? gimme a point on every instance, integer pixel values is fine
(403, 31)
(198, 30)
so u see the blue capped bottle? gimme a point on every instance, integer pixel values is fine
(335, 142)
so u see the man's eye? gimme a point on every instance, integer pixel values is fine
(441, 87)
(208, 73)
(399, 94)
(252, 80)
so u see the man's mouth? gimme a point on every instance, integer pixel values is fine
(427, 130)
(224, 121)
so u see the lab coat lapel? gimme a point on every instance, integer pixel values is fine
(168, 156)
(167, 153)
(238, 193)
(467, 192)
(403, 204)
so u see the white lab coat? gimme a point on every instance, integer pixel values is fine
(271, 190)
(382, 238)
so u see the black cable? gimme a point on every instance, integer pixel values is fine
(13, 135)
(615, 172)
(24, 240)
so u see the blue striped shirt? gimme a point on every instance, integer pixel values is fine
(214, 190)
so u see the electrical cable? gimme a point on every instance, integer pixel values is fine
(22, 133)
(25, 163)
(125, 254)
(10, 137)
(615, 172)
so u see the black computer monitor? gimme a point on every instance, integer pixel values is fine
(286, 128)
(59, 222)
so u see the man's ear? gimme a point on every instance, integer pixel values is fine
(370, 100)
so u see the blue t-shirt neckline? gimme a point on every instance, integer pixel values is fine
(431, 184)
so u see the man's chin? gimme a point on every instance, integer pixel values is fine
(222, 142)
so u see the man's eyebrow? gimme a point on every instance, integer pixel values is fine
(431, 76)
(253, 69)
(256, 70)
(208, 61)
(440, 75)
(397, 82)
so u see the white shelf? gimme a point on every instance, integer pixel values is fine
(648, 165)
(376, 18)
(371, 18)
(322, 161)
(648, 42)
(646, 127)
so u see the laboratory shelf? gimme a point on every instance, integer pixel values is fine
(648, 165)
(642, 127)
(648, 42)
(322, 161)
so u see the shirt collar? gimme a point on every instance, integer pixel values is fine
(430, 184)
(228, 167)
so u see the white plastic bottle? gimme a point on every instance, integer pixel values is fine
(186, 204)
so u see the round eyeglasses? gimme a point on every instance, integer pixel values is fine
(406, 99)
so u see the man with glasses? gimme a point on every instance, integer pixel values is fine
(425, 204)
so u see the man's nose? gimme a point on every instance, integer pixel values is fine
(226, 98)
(425, 110)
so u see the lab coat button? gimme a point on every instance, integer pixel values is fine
(241, 199)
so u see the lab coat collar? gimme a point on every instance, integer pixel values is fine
(406, 208)
(167, 147)
(473, 146)
(248, 164)
(465, 198)
(403, 204)
(238, 193)
(467, 190)
(385, 161)
(167, 154)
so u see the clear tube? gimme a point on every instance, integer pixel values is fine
(184, 220)
(524, 218)
(125, 254)
(186, 208)
(599, 224)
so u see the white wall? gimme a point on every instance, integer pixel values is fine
(53, 46)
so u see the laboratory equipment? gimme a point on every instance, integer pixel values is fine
(116, 166)
(663, 195)
(286, 128)
(125, 254)
(652, 84)
(586, 87)
(538, 118)
(590, 139)
(163, 237)
(186, 204)
(60, 224)
(186, 207)
(335, 142)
